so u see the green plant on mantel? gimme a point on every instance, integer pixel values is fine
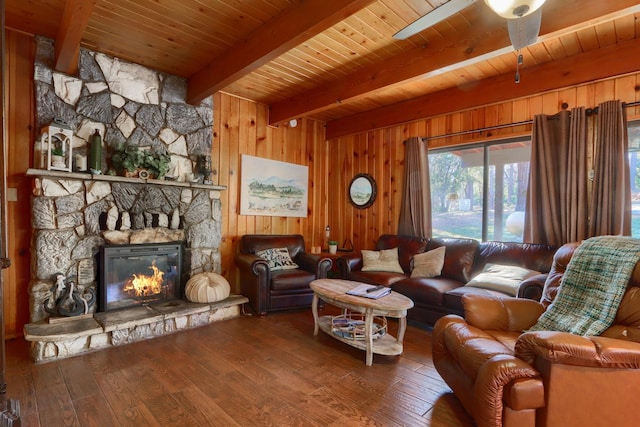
(131, 158)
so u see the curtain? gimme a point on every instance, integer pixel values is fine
(557, 203)
(415, 210)
(611, 202)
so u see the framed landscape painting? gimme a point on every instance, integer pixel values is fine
(273, 188)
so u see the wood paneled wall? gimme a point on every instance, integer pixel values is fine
(240, 127)
(380, 153)
(19, 137)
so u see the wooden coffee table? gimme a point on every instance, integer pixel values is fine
(334, 292)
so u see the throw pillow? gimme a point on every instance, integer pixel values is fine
(501, 278)
(277, 258)
(428, 264)
(384, 260)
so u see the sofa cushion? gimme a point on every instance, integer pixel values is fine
(376, 277)
(428, 264)
(384, 260)
(459, 259)
(502, 278)
(288, 280)
(277, 258)
(426, 290)
(453, 298)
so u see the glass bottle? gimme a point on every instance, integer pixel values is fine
(95, 153)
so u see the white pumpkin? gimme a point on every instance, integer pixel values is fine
(207, 287)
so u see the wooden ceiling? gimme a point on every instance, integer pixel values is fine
(336, 60)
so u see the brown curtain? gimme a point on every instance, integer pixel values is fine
(557, 204)
(611, 202)
(415, 211)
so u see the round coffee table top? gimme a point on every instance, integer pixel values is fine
(336, 290)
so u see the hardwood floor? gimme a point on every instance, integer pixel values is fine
(248, 371)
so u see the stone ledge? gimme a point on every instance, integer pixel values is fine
(80, 176)
(108, 329)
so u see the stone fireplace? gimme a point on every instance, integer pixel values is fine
(75, 214)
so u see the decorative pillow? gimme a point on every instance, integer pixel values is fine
(277, 258)
(384, 260)
(502, 278)
(428, 264)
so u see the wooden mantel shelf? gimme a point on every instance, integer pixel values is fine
(43, 173)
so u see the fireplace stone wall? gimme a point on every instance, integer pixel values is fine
(73, 214)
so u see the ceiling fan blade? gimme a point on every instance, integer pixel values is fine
(524, 31)
(438, 14)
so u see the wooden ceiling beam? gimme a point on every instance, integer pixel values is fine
(554, 75)
(74, 21)
(486, 38)
(282, 33)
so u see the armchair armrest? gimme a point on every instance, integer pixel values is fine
(249, 262)
(569, 349)
(255, 276)
(505, 379)
(314, 264)
(532, 287)
(503, 314)
(349, 263)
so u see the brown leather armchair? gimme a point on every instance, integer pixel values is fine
(505, 377)
(278, 290)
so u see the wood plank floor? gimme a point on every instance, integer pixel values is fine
(250, 371)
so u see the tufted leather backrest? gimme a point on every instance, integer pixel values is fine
(407, 246)
(251, 243)
(534, 256)
(459, 257)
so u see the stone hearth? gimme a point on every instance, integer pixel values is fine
(109, 329)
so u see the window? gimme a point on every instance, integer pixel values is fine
(634, 173)
(480, 192)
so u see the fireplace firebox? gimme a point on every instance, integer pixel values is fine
(137, 275)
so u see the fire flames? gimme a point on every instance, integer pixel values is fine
(142, 285)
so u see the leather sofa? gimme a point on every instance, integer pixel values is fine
(505, 377)
(464, 258)
(269, 290)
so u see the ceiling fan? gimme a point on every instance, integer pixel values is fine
(523, 21)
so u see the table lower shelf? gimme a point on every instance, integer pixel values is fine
(387, 344)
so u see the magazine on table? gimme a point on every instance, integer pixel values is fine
(369, 291)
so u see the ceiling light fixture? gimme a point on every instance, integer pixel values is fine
(523, 19)
(512, 9)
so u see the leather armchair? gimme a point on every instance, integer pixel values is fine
(278, 290)
(505, 377)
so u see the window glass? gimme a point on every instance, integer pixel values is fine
(456, 193)
(634, 169)
(508, 180)
(480, 192)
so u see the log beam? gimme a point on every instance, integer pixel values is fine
(571, 71)
(282, 33)
(487, 37)
(74, 21)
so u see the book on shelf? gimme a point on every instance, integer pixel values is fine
(369, 291)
